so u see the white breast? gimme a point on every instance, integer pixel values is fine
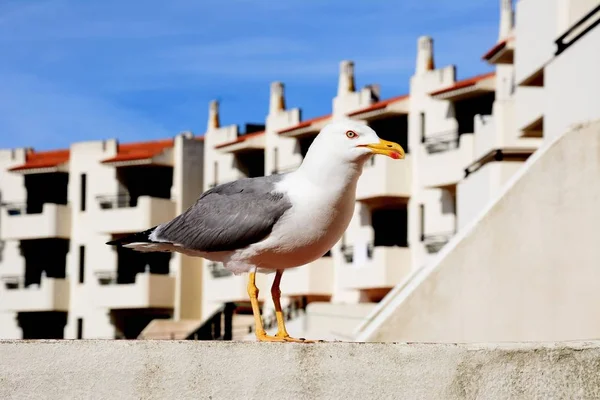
(318, 218)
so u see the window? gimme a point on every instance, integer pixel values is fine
(81, 264)
(79, 328)
(422, 126)
(422, 221)
(83, 191)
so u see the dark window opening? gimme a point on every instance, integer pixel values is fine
(390, 227)
(82, 197)
(304, 144)
(131, 262)
(42, 325)
(146, 180)
(422, 221)
(129, 323)
(252, 163)
(44, 256)
(394, 129)
(81, 264)
(45, 188)
(422, 126)
(79, 328)
(465, 111)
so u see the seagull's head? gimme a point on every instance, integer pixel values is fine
(353, 141)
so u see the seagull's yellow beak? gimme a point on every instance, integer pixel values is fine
(390, 149)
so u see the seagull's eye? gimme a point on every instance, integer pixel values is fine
(351, 135)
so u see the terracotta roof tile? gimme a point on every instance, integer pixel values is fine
(43, 159)
(241, 139)
(380, 104)
(140, 150)
(306, 123)
(464, 83)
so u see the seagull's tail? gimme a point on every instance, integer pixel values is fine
(141, 241)
(139, 237)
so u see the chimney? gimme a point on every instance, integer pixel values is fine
(425, 55)
(506, 19)
(346, 79)
(277, 100)
(213, 115)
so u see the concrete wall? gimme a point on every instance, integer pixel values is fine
(229, 370)
(527, 270)
(480, 188)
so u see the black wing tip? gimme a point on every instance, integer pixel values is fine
(143, 236)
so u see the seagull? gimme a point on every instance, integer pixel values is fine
(272, 223)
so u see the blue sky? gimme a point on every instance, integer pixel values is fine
(74, 70)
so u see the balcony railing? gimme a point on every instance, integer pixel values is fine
(25, 221)
(348, 252)
(217, 270)
(107, 202)
(13, 209)
(435, 242)
(562, 43)
(442, 141)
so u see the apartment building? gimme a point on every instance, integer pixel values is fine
(58, 279)
(464, 139)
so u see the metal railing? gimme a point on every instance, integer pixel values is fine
(219, 326)
(442, 141)
(217, 270)
(14, 209)
(108, 202)
(562, 44)
(434, 242)
(348, 252)
(106, 277)
(14, 282)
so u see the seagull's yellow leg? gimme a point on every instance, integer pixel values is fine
(276, 294)
(261, 335)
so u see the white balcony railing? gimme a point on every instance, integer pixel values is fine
(53, 222)
(148, 291)
(384, 267)
(52, 294)
(446, 165)
(384, 177)
(117, 216)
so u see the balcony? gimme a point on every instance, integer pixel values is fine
(447, 155)
(535, 47)
(53, 222)
(314, 279)
(385, 267)
(529, 111)
(385, 180)
(148, 291)
(116, 214)
(222, 286)
(52, 294)
(435, 242)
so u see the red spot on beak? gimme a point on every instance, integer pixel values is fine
(395, 156)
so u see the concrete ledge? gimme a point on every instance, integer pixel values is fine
(106, 369)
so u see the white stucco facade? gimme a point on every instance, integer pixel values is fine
(58, 278)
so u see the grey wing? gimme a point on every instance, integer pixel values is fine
(228, 217)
